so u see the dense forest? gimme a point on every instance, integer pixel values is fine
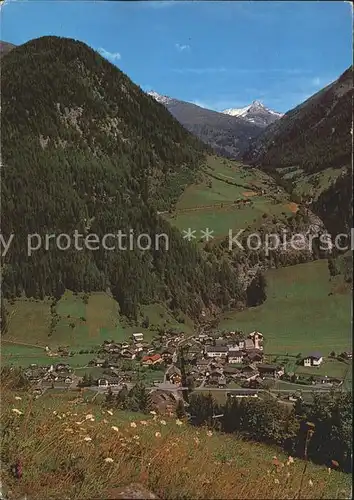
(85, 149)
(335, 204)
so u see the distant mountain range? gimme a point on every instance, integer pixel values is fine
(230, 132)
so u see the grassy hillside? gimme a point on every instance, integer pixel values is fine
(80, 323)
(100, 450)
(228, 196)
(304, 312)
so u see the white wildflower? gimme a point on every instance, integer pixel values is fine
(18, 412)
(209, 433)
(89, 417)
(153, 412)
(18, 398)
(158, 434)
(179, 422)
(132, 424)
(87, 438)
(109, 460)
(163, 422)
(114, 428)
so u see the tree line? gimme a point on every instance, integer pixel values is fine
(320, 431)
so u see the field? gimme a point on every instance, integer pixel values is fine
(80, 326)
(299, 316)
(139, 448)
(229, 196)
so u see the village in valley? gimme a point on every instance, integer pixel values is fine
(231, 364)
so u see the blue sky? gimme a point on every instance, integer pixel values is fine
(216, 54)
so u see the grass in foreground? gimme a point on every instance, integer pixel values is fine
(73, 449)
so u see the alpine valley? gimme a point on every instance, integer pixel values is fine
(170, 340)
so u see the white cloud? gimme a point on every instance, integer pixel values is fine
(181, 47)
(111, 56)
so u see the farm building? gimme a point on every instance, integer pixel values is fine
(243, 393)
(151, 360)
(173, 375)
(270, 370)
(313, 359)
(108, 382)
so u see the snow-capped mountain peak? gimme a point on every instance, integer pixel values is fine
(255, 106)
(255, 112)
(163, 99)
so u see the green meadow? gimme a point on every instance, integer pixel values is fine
(299, 315)
(228, 196)
(79, 327)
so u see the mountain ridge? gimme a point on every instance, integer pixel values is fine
(226, 135)
(300, 137)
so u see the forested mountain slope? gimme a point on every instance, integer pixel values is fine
(85, 149)
(314, 136)
(309, 150)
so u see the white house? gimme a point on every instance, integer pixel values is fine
(257, 338)
(138, 337)
(108, 382)
(216, 351)
(313, 359)
(235, 356)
